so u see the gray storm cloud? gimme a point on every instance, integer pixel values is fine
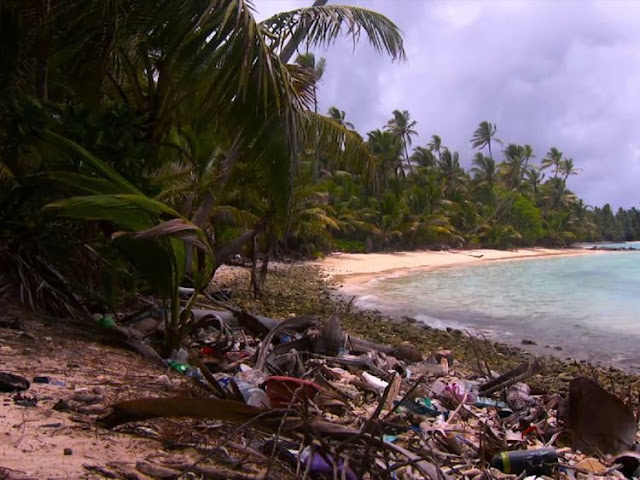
(562, 73)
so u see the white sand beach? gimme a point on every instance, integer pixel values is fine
(357, 267)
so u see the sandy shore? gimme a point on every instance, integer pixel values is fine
(357, 267)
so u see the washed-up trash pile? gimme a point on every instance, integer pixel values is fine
(314, 401)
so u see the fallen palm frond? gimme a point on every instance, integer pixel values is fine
(229, 411)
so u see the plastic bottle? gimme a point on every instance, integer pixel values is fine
(180, 356)
(194, 372)
(254, 396)
(533, 462)
(177, 366)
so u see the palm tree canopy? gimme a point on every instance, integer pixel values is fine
(308, 61)
(553, 158)
(321, 25)
(339, 116)
(423, 157)
(402, 125)
(484, 169)
(567, 168)
(484, 135)
(435, 145)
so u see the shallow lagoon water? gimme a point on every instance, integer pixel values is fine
(589, 305)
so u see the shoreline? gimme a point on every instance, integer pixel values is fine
(303, 289)
(352, 278)
(358, 268)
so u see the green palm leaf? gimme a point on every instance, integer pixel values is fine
(322, 25)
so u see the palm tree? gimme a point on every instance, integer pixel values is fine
(535, 178)
(484, 170)
(453, 174)
(552, 159)
(435, 145)
(315, 69)
(387, 150)
(321, 24)
(527, 153)
(567, 168)
(423, 157)
(308, 62)
(339, 116)
(513, 165)
(483, 136)
(402, 126)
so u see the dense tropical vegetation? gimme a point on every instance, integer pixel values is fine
(143, 143)
(424, 198)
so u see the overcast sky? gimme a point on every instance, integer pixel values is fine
(547, 72)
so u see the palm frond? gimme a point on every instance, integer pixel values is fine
(132, 212)
(322, 25)
(238, 216)
(337, 140)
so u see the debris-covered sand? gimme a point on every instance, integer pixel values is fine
(355, 395)
(34, 437)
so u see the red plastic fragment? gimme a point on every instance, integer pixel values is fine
(284, 391)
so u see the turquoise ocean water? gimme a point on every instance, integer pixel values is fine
(589, 305)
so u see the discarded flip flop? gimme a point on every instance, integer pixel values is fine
(13, 383)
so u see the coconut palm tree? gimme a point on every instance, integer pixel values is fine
(452, 172)
(552, 159)
(402, 126)
(567, 168)
(513, 165)
(527, 153)
(484, 171)
(339, 116)
(387, 151)
(321, 24)
(435, 145)
(484, 134)
(315, 69)
(423, 157)
(534, 179)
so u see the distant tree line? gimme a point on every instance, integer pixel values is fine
(623, 226)
(405, 195)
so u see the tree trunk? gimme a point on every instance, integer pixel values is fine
(316, 140)
(406, 156)
(255, 282)
(224, 253)
(293, 44)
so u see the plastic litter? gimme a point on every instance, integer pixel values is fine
(107, 321)
(180, 356)
(48, 380)
(490, 402)
(253, 395)
(178, 367)
(284, 391)
(323, 464)
(533, 462)
(375, 381)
